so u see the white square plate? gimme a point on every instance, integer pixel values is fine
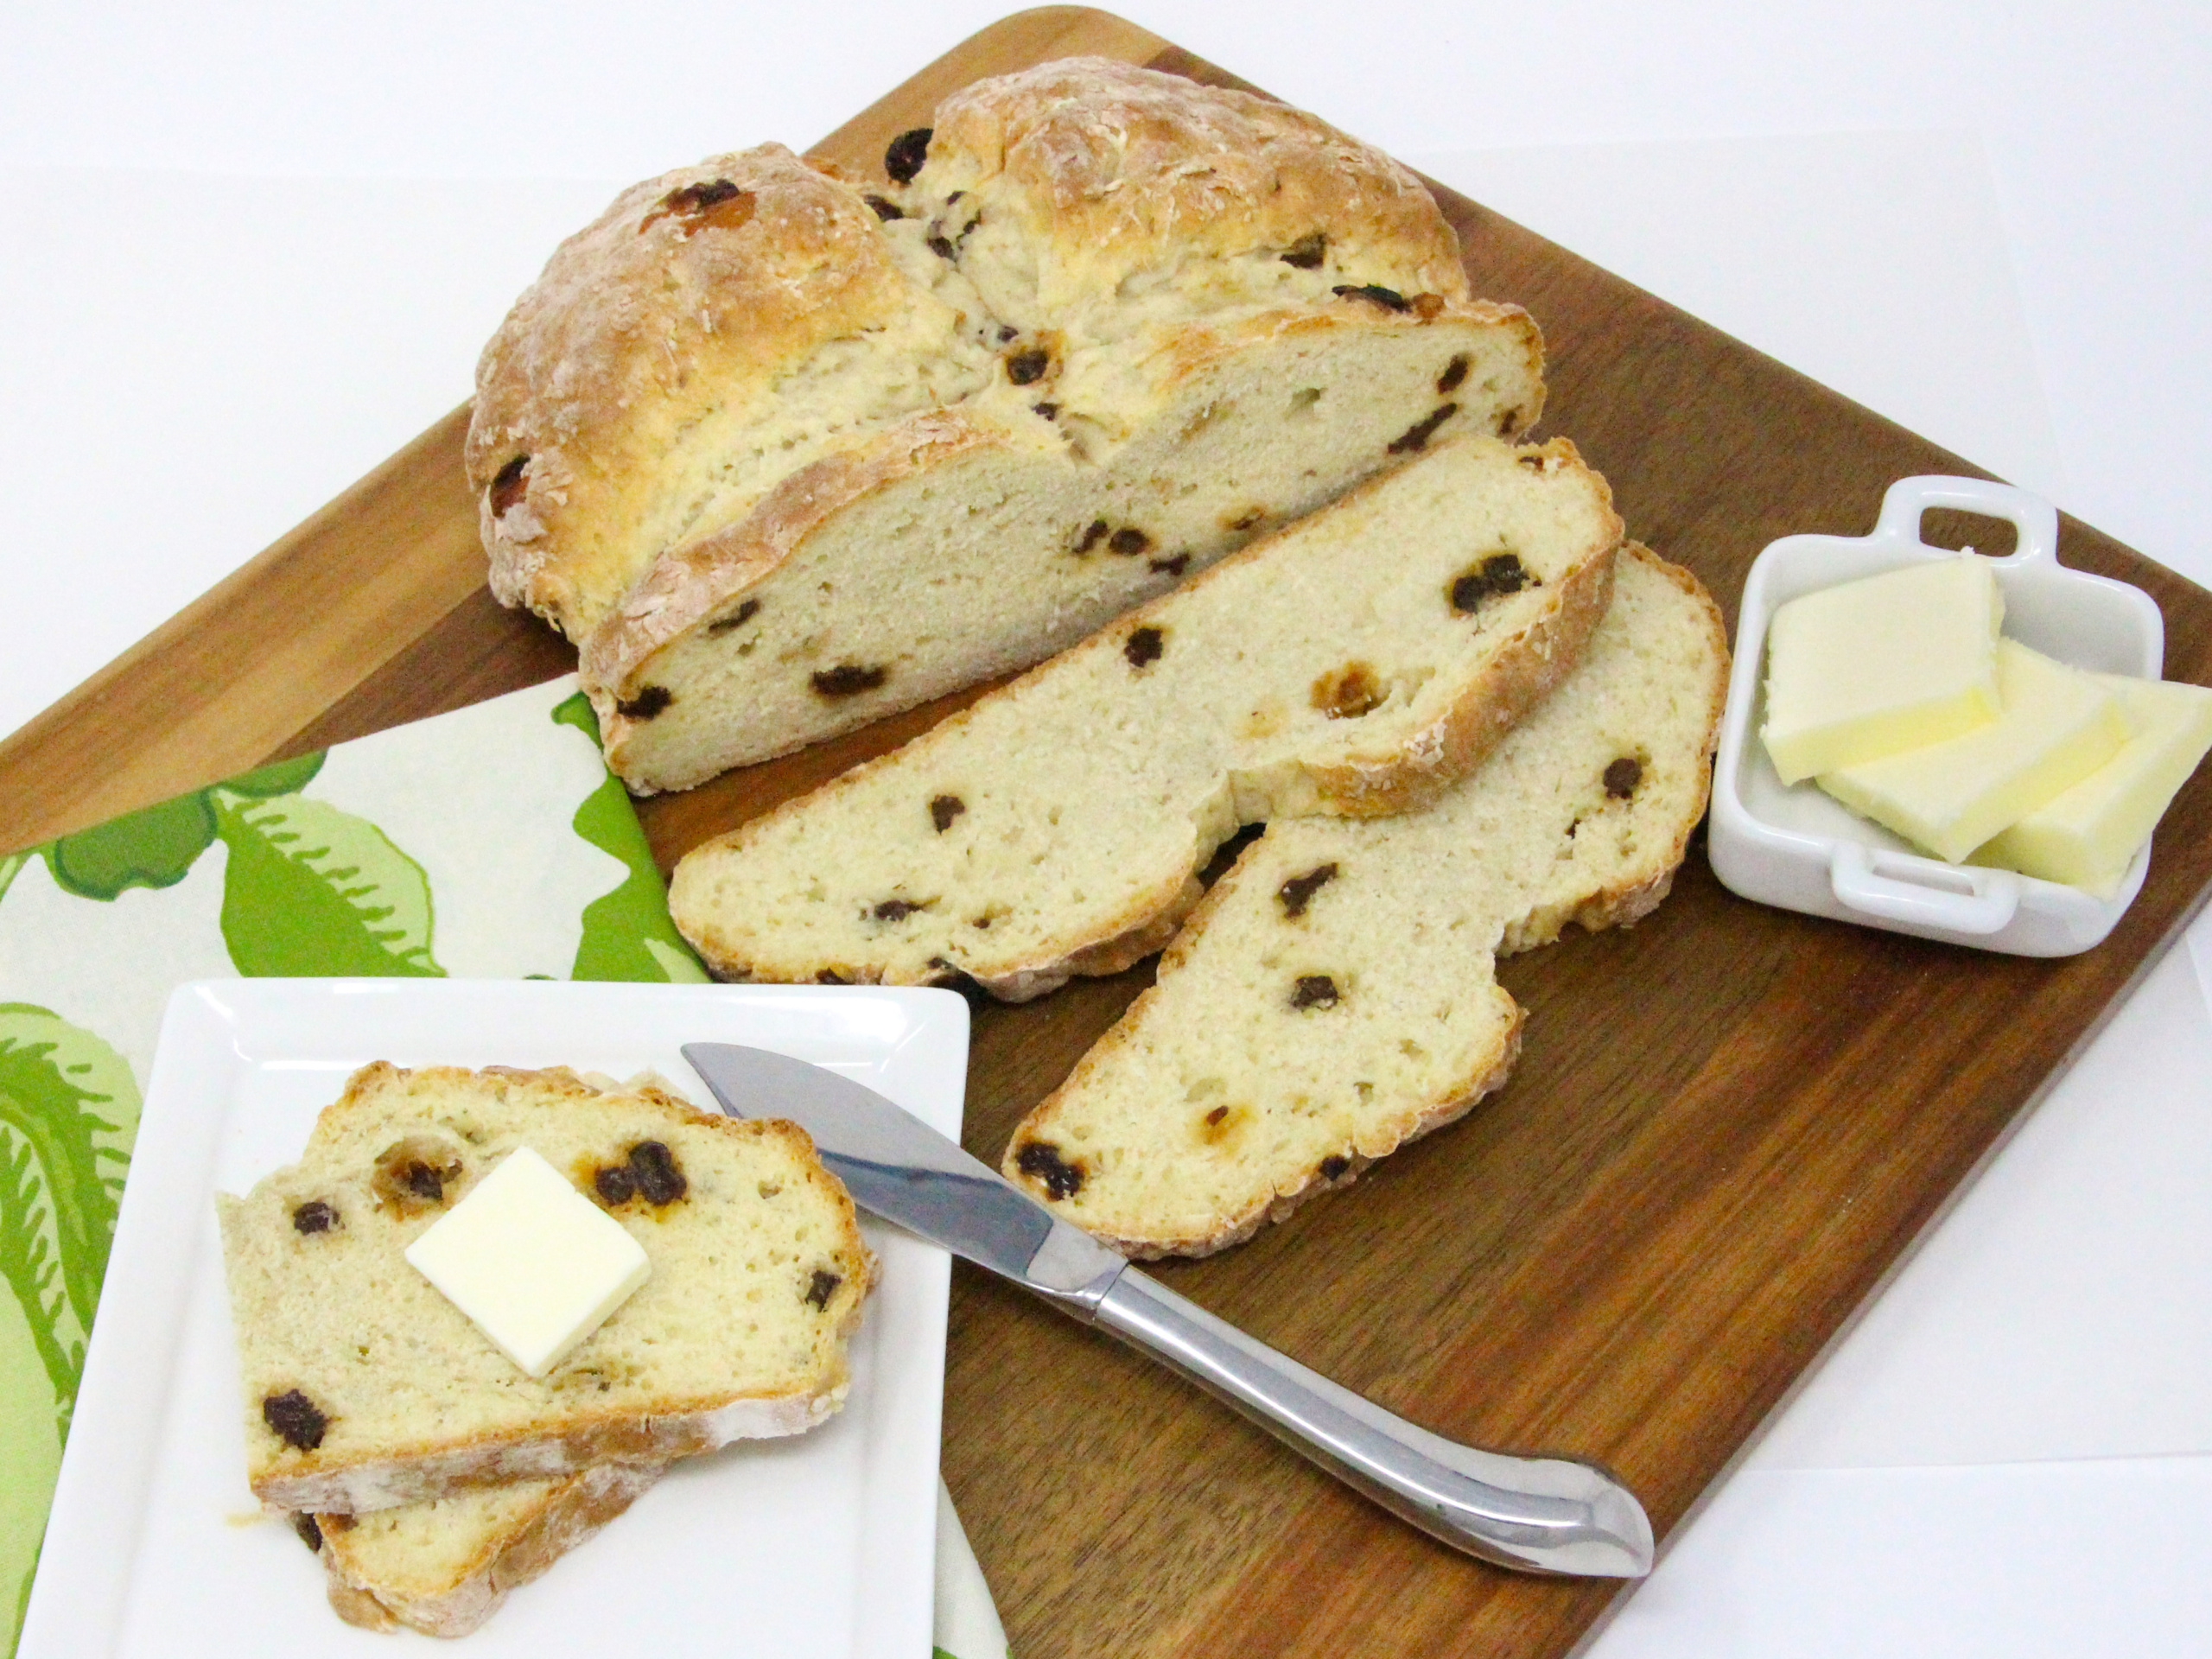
(819, 1547)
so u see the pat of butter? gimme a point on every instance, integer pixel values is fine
(1882, 665)
(2059, 725)
(2089, 835)
(537, 1265)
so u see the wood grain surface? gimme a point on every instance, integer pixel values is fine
(1727, 1124)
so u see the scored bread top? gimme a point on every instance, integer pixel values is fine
(648, 385)
(1355, 663)
(1335, 996)
(366, 1388)
(1093, 187)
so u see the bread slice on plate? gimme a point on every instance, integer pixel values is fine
(785, 453)
(366, 1389)
(1335, 995)
(443, 1566)
(1354, 663)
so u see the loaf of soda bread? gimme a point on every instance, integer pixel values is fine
(443, 1566)
(785, 452)
(366, 1389)
(1335, 995)
(1357, 662)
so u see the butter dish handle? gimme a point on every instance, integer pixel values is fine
(2034, 520)
(1906, 887)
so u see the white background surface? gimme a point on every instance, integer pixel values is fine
(250, 249)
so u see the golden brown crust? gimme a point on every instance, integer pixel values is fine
(358, 1607)
(1113, 168)
(642, 321)
(408, 1475)
(1149, 928)
(411, 1474)
(568, 1513)
(377, 1075)
(581, 1508)
(690, 585)
(1523, 675)
(1625, 906)
(681, 310)
(1133, 933)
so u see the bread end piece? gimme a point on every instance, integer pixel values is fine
(444, 1566)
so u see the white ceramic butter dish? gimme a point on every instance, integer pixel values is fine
(1797, 848)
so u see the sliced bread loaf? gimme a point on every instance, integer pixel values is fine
(1354, 663)
(443, 1566)
(1335, 995)
(784, 453)
(366, 1388)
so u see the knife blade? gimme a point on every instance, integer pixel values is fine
(1553, 1514)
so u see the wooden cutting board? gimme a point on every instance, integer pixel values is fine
(1726, 1125)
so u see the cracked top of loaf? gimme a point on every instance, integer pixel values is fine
(711, 322)
(1101, 188)
(721, 328)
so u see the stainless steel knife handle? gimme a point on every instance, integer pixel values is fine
(1545, 1514)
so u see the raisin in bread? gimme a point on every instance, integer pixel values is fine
(1335, 995)
(366, 1388)
(443, 1566)
(784, 453)
(1356, 662)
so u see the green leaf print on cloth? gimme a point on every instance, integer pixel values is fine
(157, 847)
(627, 934)
(68, 1108)
(312, 890)
(152, 849)
(277, 777)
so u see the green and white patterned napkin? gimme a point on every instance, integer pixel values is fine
(489, 844)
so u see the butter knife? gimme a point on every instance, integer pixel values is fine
(1540, 1515)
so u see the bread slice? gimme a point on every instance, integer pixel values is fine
(366, 1389)
(964, 545)
(1335, 995)
(785, 453)
(443, 1566)
(1354, 663)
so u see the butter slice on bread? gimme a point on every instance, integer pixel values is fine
(1354, 663)
(1335, 995)
(366, 1389)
